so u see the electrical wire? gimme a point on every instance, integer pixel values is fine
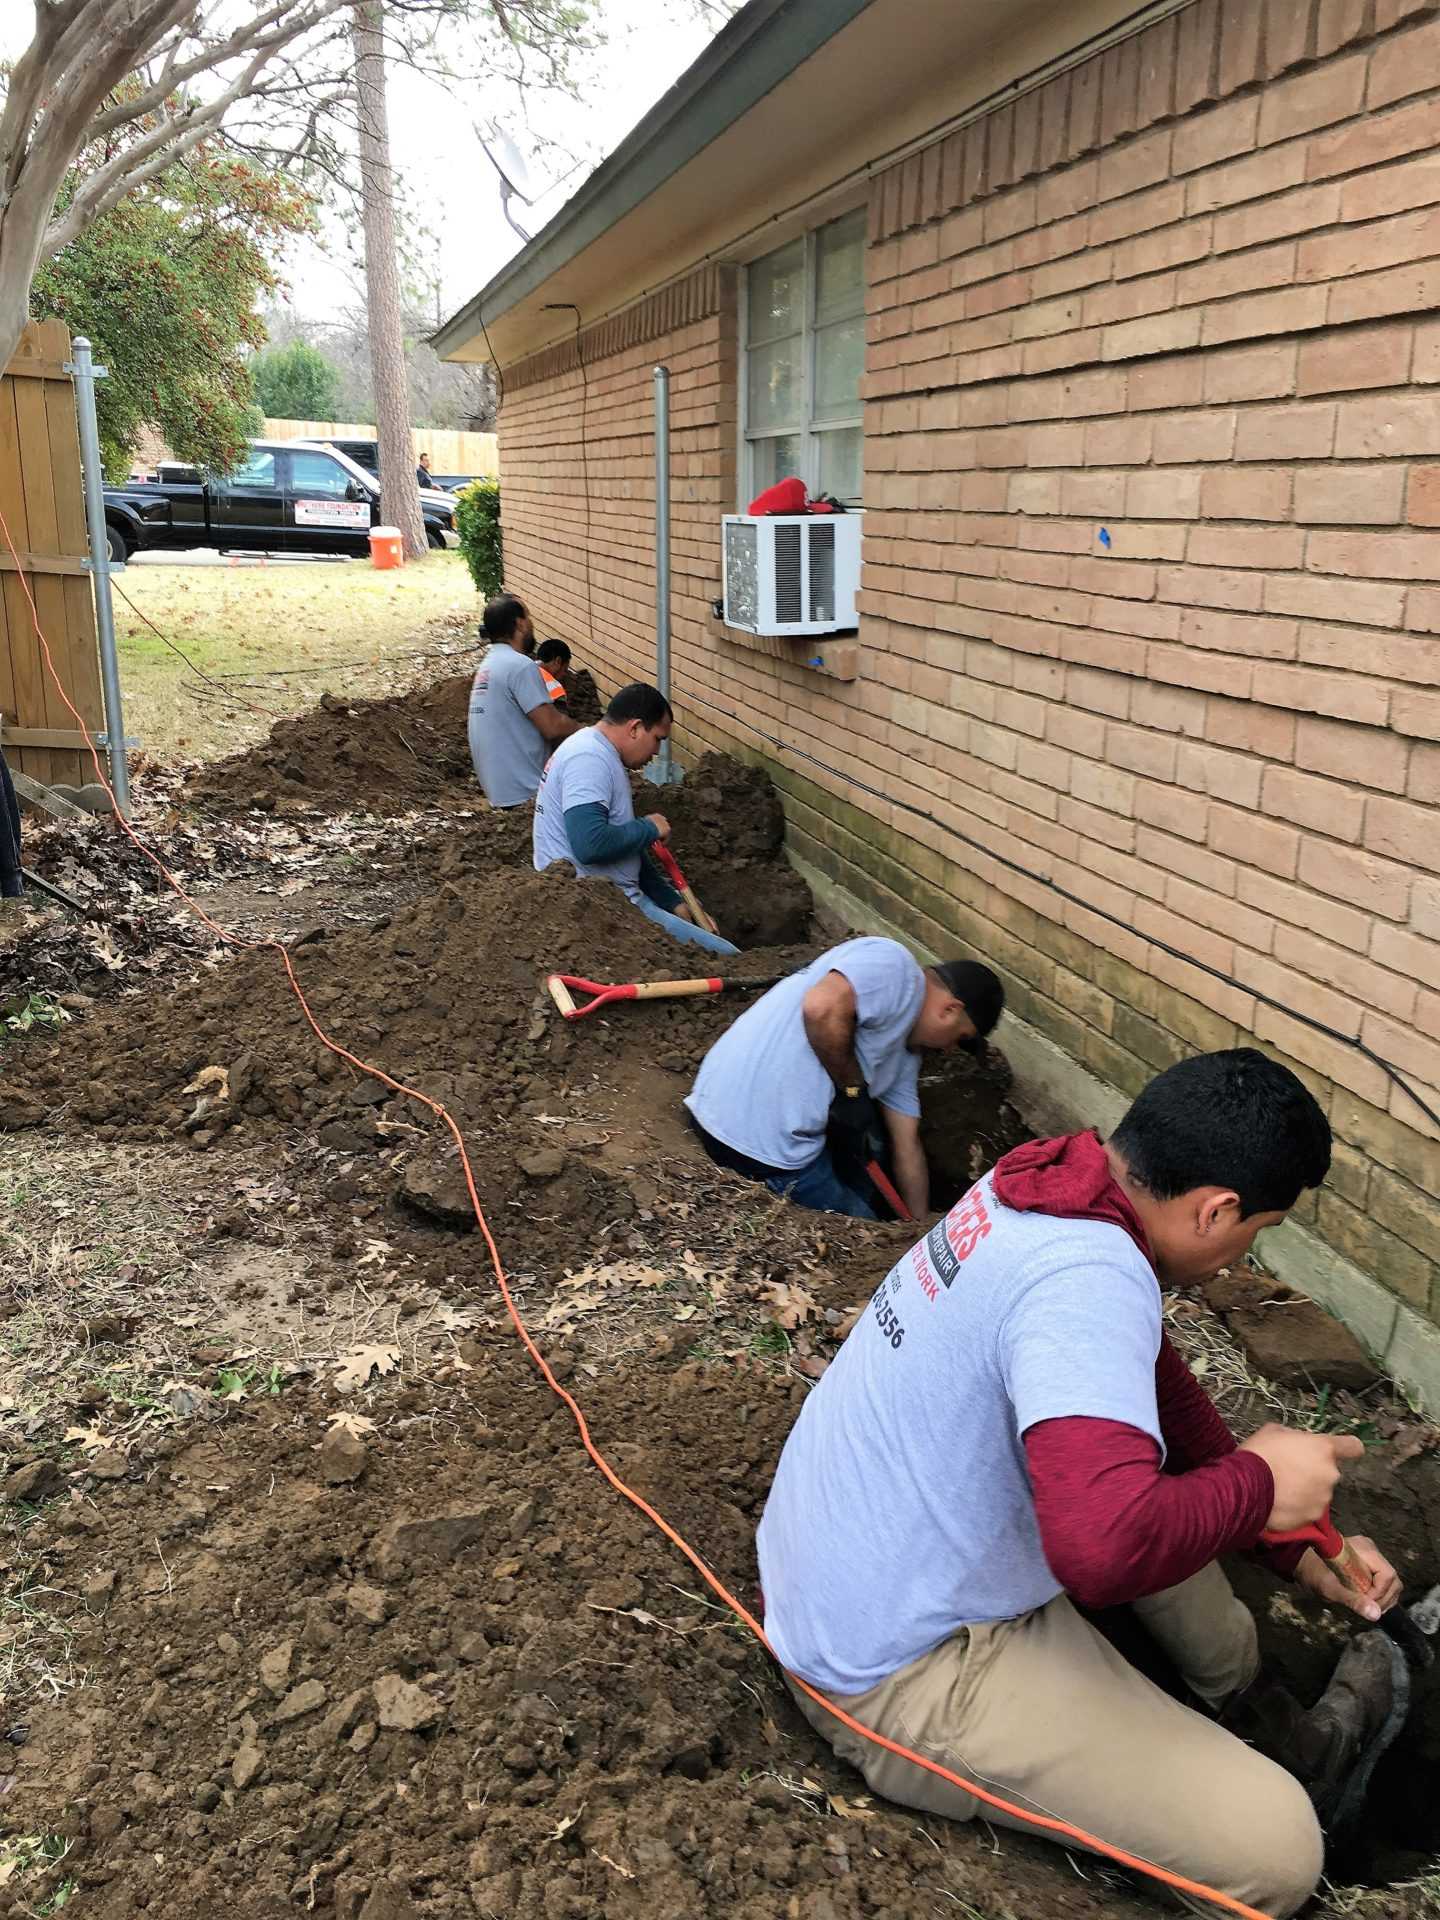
(248, 676)
(1078, 900)
(494, 362)
(225, 693)
(1044, 1823)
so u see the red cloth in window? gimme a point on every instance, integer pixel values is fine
(786, 496)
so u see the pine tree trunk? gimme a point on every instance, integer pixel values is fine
(399, 493)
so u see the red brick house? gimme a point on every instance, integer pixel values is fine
(1124, 330)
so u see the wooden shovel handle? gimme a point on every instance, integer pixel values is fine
(561, 995)
(677, 880)
(675, 989)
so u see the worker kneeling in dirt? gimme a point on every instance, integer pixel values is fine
(1007, 1432)
(514, 723)
(584, 811)
(796, 1092)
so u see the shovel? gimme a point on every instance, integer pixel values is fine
(887, 1191)
(563, 987)
(1333, 1548)
(681, 885)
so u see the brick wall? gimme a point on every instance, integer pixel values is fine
(551, 471)
(1152, 593)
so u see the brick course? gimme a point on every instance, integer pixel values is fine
(1199, 321)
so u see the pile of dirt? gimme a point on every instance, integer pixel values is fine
(445, 995)
(582, 696)
(465, 1681)
(387, 757)
(402, 1654)
(725, 821)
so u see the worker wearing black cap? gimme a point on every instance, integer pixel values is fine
(820, 1077)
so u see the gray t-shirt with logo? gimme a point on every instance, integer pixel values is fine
(584, 769)
(761, 1088)
(505, 745)
(901, 1509)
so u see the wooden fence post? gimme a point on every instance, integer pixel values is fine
(42, 501)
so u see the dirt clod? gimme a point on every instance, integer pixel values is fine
(367, 1604)
(40, 1480)
(404, 1707)
(107, 1464)
(1299, 1344)
(275, 1667)
(343, 1457)
(247, 1767)
(308, 1697)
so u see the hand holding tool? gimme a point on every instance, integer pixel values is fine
(563, 987)
(1333, 1548)
(681, 885)
(888, 1193)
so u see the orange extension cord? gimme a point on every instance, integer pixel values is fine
(1043, 1823)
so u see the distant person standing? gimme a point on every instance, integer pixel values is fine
(423, 475)
(514, 723)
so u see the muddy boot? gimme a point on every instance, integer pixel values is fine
(1332, 1748)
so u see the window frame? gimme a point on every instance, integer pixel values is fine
(810, 432)
(346, 479)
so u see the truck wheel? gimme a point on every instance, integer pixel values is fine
(119, 550)
(435, 539)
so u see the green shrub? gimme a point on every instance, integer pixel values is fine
(477, 521)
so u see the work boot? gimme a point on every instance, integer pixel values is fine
(1332, 1748)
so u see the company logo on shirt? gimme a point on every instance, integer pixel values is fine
(952, 1241)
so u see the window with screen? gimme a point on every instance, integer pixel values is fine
(804, 354)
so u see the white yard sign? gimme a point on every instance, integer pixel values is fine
(354, 514)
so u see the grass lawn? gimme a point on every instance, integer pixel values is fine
(275, 638)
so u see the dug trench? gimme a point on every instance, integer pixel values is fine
(388, 1647)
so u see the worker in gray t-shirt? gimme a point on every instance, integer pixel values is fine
(821, 1076)
(585, 812)
(514, 727)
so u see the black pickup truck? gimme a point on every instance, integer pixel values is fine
(284, 499)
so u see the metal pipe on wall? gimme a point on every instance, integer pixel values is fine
(665, 771)
(85, 374)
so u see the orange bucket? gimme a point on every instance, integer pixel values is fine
(387, 547)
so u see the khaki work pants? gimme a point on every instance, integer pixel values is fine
(1043, 1711)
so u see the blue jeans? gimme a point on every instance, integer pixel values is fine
(820, 1187)
(679, 929)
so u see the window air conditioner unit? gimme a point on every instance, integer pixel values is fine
(791, 573)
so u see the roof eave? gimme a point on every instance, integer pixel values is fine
(750, 56)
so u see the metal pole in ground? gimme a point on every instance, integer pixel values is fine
(664, 770)
(86, 373)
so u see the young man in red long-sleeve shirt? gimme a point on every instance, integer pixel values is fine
(1007, 1431)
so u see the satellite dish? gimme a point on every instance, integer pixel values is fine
(515, 181)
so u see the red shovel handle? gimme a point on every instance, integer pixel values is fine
(887, 1192)
(1333, 1548)
(671, 865)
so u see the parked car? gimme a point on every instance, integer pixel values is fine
(287, 497)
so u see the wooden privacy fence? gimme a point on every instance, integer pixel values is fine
(450, 450)
(42, 499)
